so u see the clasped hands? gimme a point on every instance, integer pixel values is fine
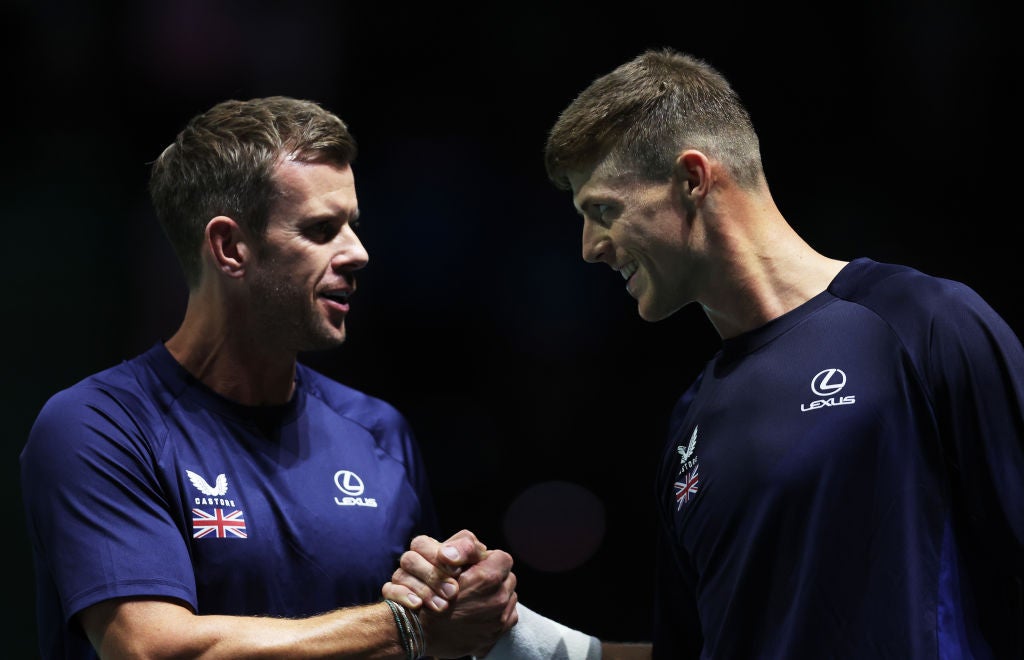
(463, 593)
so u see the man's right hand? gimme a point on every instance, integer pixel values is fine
(469, 593)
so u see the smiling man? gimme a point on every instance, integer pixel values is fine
(317, 488)
(845, 477)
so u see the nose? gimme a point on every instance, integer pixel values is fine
(595, 242)
(350, 253)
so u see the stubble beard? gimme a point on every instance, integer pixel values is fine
(289, 318)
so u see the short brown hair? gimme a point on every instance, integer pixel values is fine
(222, 161)
(648, 110)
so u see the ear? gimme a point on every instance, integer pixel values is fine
(693, 173)
(226, 242)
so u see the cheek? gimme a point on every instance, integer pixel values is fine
(298, 265)
(660, 244)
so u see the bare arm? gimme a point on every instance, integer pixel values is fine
(137, 628)
(164, 628)
(622, 651)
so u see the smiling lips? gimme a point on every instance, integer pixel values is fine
(627, 270)
(338, 298)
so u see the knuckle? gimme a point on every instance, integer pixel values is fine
(467, 535)
(489, 575)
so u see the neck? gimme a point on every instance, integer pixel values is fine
(214, 346)
(766, 268)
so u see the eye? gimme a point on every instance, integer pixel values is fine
(602, 213)
(321, 232)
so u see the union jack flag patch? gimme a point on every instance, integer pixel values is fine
(686, 488)
(218, 524)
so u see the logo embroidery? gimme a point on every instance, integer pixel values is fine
(206, 489)
(217, 524)
(688, 451)
(213, 494)
(828, 383)
(352, 486)
(688, 467)
(686, 488)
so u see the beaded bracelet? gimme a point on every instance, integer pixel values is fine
(410, 630)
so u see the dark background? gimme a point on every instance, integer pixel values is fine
(538, 394)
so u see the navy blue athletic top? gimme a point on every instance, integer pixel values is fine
(141, 481)
(847, 481)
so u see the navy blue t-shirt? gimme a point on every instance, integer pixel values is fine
(141, 481)
(847, 481)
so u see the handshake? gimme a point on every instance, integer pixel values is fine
(460, 599)
(462, 595)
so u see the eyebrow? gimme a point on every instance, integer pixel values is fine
(320, 217)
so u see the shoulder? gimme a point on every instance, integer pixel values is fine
(121, 400)
(910, 300)
(866, 280)
(939, 320)
(114, 388)
(371, 412)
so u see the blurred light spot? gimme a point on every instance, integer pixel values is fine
(554, 526)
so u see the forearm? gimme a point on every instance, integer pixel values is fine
(625, 651)
(154, 629)
(366, 632)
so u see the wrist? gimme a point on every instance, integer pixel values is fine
(410, 632)
(536, 637)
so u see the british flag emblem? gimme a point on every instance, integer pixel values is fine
(218, 524)
(686, 488)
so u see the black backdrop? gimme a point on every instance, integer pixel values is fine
(539, 396)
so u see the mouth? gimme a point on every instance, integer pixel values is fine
(628, 269)
(337, 299)
(340, 297)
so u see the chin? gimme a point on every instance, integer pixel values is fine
(649, 313)
(336, 334)
(653, 314)
(326, 341)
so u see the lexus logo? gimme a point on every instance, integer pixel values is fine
(348, 483)
(828, 382)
